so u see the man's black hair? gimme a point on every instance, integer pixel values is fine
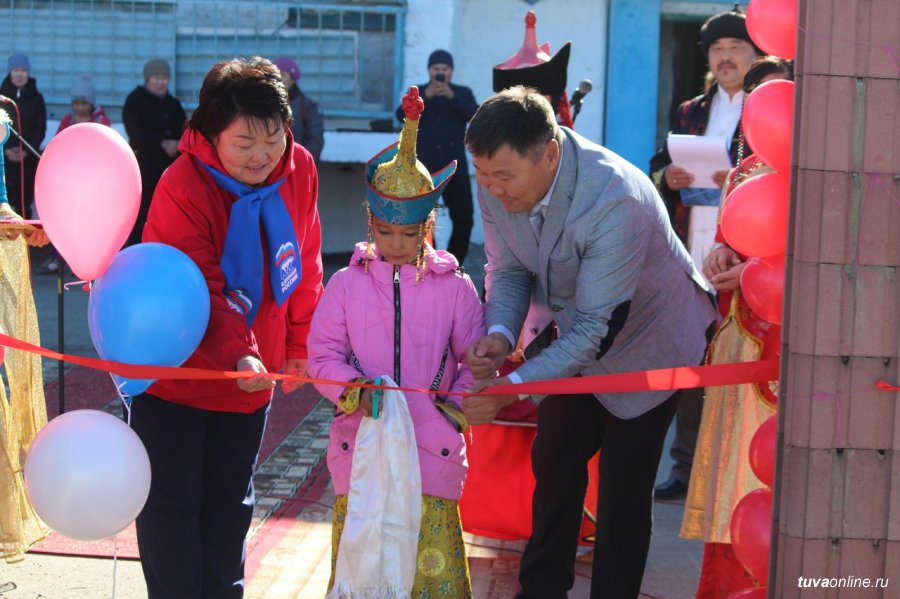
(519, 117)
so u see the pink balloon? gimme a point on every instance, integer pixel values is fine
(768, 121)
(762, 285)
(754, 217)
(751, 593)
(751, 532)
(87, 192)
(762, 452)
(772, 25)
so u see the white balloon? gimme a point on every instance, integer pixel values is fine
(87, 474)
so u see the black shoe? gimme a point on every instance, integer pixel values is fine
(671, 490)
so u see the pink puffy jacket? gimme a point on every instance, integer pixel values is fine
(383, 323)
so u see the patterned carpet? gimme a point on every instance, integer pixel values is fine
(289, 543)
(290, 452)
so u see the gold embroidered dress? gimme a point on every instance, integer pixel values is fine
(22, 412)
(721, 474)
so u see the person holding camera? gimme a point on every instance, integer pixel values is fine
(442, 126)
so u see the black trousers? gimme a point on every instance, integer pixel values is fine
(687, 428)
(458, 199)
(17, 188)
(687, 423)
(137, 230)
(191, 531)
(571, 429)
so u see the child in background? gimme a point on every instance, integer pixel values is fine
(402, 308)
(84, 107)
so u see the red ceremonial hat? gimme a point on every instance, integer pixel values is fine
(532, 65)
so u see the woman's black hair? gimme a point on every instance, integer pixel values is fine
(249, 88)
(764, 67)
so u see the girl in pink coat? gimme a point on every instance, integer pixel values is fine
(403, 309)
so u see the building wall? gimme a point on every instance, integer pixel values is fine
(481, 34)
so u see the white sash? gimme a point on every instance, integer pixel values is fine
(377, 552)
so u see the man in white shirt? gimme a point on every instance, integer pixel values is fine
(730, 52)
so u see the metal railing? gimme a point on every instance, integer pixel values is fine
(350, 53)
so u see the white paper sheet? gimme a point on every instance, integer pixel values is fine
(701, 156)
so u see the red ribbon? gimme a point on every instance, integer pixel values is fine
(885, 386)
(627, 382)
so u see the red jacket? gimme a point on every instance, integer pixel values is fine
(190, 212)
(97, 116)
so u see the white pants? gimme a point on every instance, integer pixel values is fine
(702, 232)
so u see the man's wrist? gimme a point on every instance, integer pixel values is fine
(505, 332)
(504, 339)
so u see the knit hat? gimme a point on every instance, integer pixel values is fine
(732, 23)
(157, 66)
(288, 66)
(18, 61)
(440, 57)
(83, 89)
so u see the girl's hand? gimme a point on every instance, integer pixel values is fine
(481, 409)
(296, 367)
(365, 402)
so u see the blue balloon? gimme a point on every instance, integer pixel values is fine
(150, 307)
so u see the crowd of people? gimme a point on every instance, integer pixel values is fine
(154, 120)
(570, 227)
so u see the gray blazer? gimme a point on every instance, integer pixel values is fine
(621, 287)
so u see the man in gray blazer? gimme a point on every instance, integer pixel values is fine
(575, 228)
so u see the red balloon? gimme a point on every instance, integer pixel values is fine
(751, 532)
(751, 593)
(762, 452)
(762, 285)
(755, 214)
(772, 25)
(768, 121)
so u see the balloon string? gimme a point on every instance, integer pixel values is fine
(115, 562)
(85, 285)
(126, 399)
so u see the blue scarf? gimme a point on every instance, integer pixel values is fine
(242, 259)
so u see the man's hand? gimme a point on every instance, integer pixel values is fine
(436, 88)
(445, 90)
(487, 354)
(677, 178)
(719, 178)
(720, 260)
(483, 408)
(296, 367)
(257, 383)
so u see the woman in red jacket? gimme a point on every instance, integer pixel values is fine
(240, 200)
